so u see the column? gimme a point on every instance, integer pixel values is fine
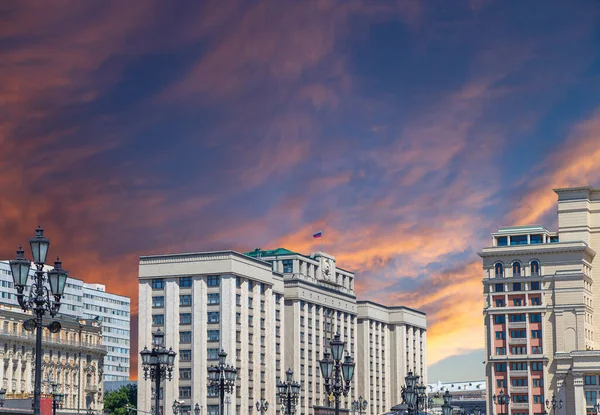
(579, 394)
(199, 354)
(171, 330)
(145, 339)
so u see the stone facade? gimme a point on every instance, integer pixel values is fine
(539, 289)
(73, 358)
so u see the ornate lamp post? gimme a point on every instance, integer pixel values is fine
(409, 392)
(38, 299)
(421, 397)
(554, 404)
(57, 398)
(503, 400)
(289, 392)
(197, 409)
(262, 406)
(596, 407)
(360, 405)
(337, 375)
(222, 378)
(177, 407)
(158, 364)
(447, 406)
(2, 397)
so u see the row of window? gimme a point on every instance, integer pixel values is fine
(518, 302)
(537, 382)
(517, 286)
(186, 282)
(533, 318)
(533, 239)
(535, 366)
(534, 268)
(518, 334)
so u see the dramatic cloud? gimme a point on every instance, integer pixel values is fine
(405, 132)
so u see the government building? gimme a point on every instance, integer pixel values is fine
(540, 291)
(87, 302)
(270, 310)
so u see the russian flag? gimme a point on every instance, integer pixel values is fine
(318, 234)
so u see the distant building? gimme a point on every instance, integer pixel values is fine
(468, 396)
(391, 343)
(90, 301)
(540, 288)
(73, 358)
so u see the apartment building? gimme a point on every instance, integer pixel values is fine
(391, 343)
(205, 302)
(539, 290)
(89, 301)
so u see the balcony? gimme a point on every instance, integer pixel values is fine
(520, 405)
(91, 388)
(30, 338)
(519, 389)
(518, 373)
(517, 325)
(517, 341)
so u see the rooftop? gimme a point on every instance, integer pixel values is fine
(259, 253)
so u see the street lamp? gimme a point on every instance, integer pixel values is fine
(197, 409)
(222, 378)
(262, 406)
(502, 400)
(447, 406)
(360, 405)
(554, 403)
(158, 364)
(38, 299)
(289, 392)
(177, 406)
(421, 397)
(337, 374)
(57, 398)
(595, 407)
(2, 397)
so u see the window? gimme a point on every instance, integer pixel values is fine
(519, 382)
(538, 382)
(287, 265)
(535, 285)
(514, 318)
(537, 366)
(499, 303)
(520, 398)
(158, 319)
(500, 351)
(535, 239)
(213, 317)
(185, 391)
(499, 288)
(185, 318)
(516, 269)
(590, 380)
(535, 318)
(249, 302)
(518, 366)
(517, 302)
(500, 335)
(185, 355)
(185, 373)
(590, 397)
(502, 240)
(501, 383)
(185, 300)
(518, 350)
(185, 337)
(499, 319)
(518, 334)
(158, 284)
(516, 286)
(213, 298)
(213, 335)
(535, 300)
(535, 268)
(536, 334)
(238, 282)
(158, 302)
(213, 280)
(499, 270)
(536, 350)
(185, 282)
(518, 240)
(212, 354)
(500, 367)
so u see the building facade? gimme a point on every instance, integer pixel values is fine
(205, 302)
(391, 343)
(539, 290)
(73, 358)
(90, 301)
(270, 310)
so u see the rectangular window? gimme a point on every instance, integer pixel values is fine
(158, 284)
(238, 282)
(499, 303)
(185, 337)
(158, 302)
(213, 298)
(500, 367)
(185, 373)
(536, 349)
(518, 366)
(590, 380)
(537, 366)
(500, 351)
(517, 302)
(515, 318)
(516, 286)
(518, 334)
(535, 285)
(591, 397)
(158, 319)
(185, 300)
(185, 318)
(213, 354)
(499, 287)
(535, 300)
(536, 334)
(500, 335)
(213, 317)
(502, 240)
(499, 319)
(185, 282)
(214, 335)
(249, 302)
(213, 280)
(185, 355)
(535, 239)
(185, 391)
(535, 318)
(287, 265)
(518, 240)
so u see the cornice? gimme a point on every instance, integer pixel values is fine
(199, 256)
(537, 249)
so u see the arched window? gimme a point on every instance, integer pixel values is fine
(499, 270)
(535, 268)
(516, 269)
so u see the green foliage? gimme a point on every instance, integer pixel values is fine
(115, 401)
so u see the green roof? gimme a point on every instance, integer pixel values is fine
(259, 253)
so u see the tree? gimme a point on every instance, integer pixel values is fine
(115, 401)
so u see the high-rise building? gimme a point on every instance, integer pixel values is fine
(89, 301)
(270, 310)
(205, 302)
(539, 290)
(391, 343)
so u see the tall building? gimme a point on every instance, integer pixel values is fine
(539, 290)
(205, 302)
(90, 301)
(391, 343)
(73, 358)
(283, 309)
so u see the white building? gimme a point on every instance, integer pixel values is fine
(391, 343)
(269, 310)
(540, 290)
(90, 301)
(205, 302)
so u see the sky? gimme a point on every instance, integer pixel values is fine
(405, 131)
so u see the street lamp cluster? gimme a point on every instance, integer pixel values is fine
(414, 395)
(157, 364)
(289, 392)
(222, 379)
(40, 299)
(57, 398)
(554, 403)
(360, 405)
(337, 374)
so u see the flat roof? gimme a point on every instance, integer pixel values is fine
(398, 307)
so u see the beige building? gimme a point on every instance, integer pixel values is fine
(391, 343)
(73, 358)
(539, 289)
